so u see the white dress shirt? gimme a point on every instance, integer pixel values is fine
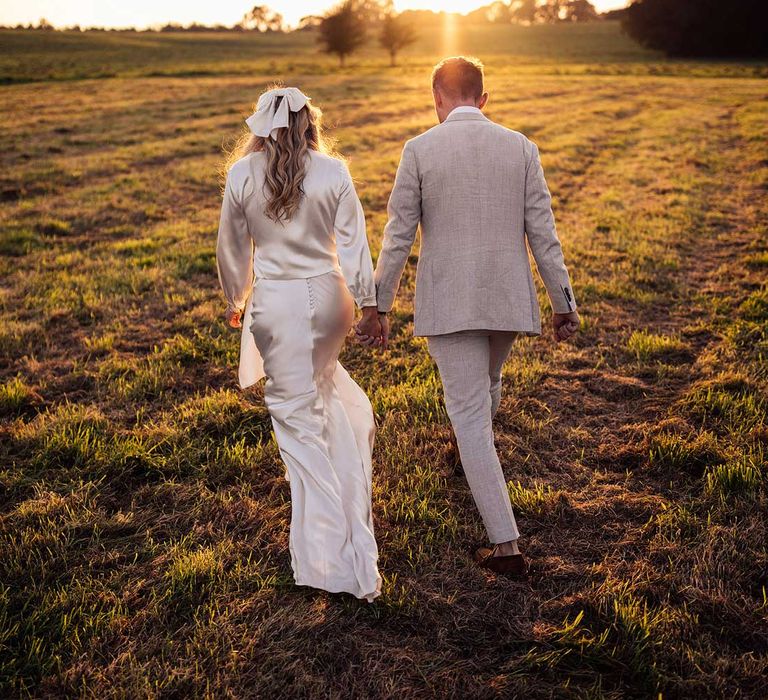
(464, 108)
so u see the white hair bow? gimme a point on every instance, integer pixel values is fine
(266, 118)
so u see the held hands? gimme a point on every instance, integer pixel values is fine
(565, 325)
(373, 328)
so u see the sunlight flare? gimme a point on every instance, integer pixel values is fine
(450, 31)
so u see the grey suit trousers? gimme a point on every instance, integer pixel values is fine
(470, 364)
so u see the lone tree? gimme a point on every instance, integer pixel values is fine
(396, 34)
(705, 28)
(342, 30)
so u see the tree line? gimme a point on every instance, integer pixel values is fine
(263, 18)
(680, 28)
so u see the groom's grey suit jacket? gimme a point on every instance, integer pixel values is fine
(478, 191)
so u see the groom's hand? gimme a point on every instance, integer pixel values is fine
(368, 328)
(565, 325)
(233, 318)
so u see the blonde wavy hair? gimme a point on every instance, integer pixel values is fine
(286, 158)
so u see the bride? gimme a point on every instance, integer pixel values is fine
(293, 259)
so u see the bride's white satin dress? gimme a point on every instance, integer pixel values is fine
(297, 284)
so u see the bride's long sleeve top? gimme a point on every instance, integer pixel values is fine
(327, 232)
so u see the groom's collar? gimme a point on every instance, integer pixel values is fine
(466, 113)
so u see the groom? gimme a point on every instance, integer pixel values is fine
(478, 191)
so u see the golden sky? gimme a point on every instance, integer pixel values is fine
(143, 13)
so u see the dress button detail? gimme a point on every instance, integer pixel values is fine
(311, 291)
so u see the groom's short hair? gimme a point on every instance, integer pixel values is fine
(459, 76)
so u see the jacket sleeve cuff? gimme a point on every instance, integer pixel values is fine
(562, 300)
(384, 305)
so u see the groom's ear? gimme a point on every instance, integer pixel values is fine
(483, 100)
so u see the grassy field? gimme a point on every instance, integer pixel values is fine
(143, 509)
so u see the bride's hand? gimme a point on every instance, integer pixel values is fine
(368, 330)
(233, 318)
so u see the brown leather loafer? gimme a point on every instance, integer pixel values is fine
(512, 565)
